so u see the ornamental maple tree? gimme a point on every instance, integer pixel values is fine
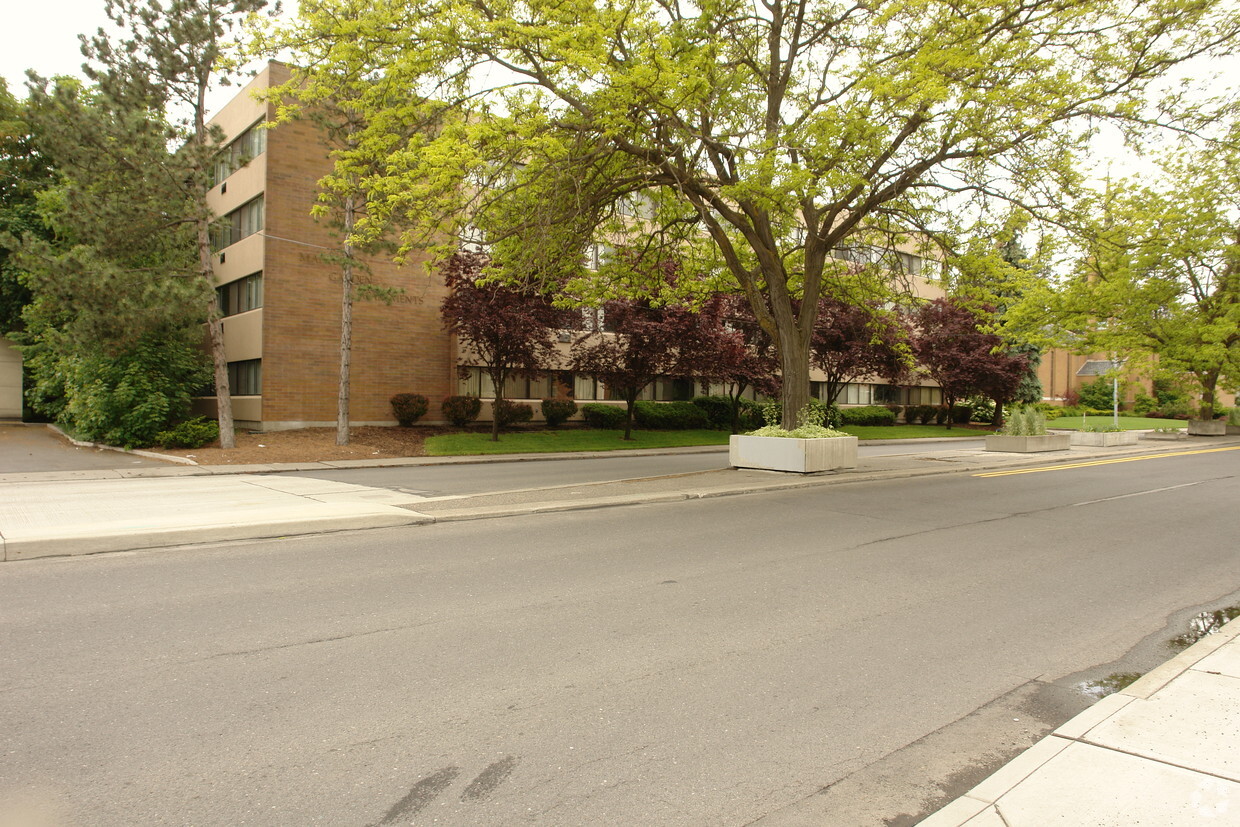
(852, 341)
(738, 353)
(509, 330)
(640, 343)
(961, 358)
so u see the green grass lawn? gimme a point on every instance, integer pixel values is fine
(580, 439)
(571, 439)
(910, 431)
(1126, 423)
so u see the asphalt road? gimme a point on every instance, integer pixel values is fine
(28, 447)
(445, 480)
(846, 655)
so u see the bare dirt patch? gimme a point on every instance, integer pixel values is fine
(313, 445)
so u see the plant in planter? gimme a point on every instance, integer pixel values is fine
(1025, 433)
(809, 448)
(1233, 421)
(1104, 436)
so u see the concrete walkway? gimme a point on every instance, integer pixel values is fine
(1163, 752)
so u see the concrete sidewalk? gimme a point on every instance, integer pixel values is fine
(87, 512)
(1165, 752)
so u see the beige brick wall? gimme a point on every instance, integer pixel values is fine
(396, 348)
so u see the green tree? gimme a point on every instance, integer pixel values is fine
(24, 171)
(170, 57)
(364, 114)
(777, 143)
(1159, 272)
(114, 281)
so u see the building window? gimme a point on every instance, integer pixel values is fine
(888, 395)
(248, 145)
(238, 224)
(241, 295)
(245, 378)
(910, 264)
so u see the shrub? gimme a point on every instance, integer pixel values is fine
(461, 410)
(1097, 394)
(923, 414)
(607, 417)
(868, 415)
(192, 433)
(1143, 403)
(751, 415)
(983, 409)
(718, 410)
(1233, 416)
(1024, 421)
(507, 412)
(409, 408)
(669, 416)
(896, 410)
(811, 423)
(1177, 409)
(558, 411)
(940, 414)
(961, 414)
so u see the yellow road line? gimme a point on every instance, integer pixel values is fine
(1070, 466)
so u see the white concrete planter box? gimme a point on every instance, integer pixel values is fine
(1028, 444)
(1154, 436)
(1207, 427)
(1233, 430)
(1104, 439)
(798, 456)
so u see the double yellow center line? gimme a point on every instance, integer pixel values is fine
(1069, 466)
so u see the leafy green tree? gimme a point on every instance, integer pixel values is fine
(24, 171)
(115, 276)
(1159, 271)
(169, 60)
(364, 115)
(774, 143)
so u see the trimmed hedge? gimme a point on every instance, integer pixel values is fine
(669, 416)
(557, 411)
(409, 408)
(507, 412)
(718, 410)
(868, 415)
(461, 410)
(606, 417)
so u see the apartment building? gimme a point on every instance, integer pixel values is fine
(281, 299)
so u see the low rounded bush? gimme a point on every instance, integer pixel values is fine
(606, 417)
(507, 412)
(896, 410)
(558, 411)
(192, 433)
(961, 414)
(669, 416)
(923, 414)
(868, 415)
(409, 408)
(940, 414)
(461, 410)
(718, 410)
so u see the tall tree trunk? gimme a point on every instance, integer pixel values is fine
(346, 323)
(498, 381)
(1209, 382)
(794, 365)
(629, 402)
(215, 335)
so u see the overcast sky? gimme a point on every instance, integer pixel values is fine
(44, 37)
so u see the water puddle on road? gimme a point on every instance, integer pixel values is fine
(1205, 623)
(1200, 625)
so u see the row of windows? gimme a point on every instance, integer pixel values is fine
(248, 145)
(476, 382)
(238, 224)
(241, 295)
